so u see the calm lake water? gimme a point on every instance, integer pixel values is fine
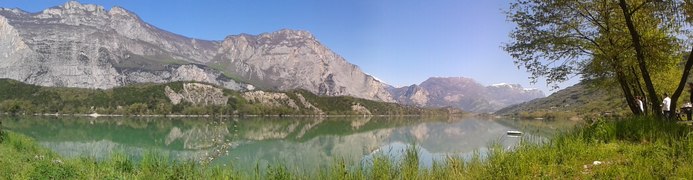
(299, 143)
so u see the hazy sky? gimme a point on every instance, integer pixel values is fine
(401, 42)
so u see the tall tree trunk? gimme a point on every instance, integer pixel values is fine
(640, 56)
(684, 79)
(623, 81)
(630, 99)
(642, 92)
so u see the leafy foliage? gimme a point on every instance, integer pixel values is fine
(635, 44)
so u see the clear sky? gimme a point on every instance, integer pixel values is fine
(401, 42)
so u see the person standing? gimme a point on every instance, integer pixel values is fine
(690, 91)
(690, 100)
(640, 105)
(666, 103)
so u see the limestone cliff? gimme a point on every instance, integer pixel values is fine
(84, 45)
(288, 59)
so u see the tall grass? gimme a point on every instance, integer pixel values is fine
(629, 148)
(635, 147)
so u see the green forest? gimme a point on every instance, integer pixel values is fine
(150, 99)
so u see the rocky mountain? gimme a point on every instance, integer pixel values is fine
(464, 93)
(87, 46)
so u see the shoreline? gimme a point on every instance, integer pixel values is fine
(96, 115)
(605, 150)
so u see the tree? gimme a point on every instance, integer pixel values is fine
(598, 39)
(137, 109)
(13, 106)
(665, 10)
(163, 108)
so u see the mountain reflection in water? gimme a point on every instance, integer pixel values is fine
(300, 143)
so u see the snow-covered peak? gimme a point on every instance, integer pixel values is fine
(500, 84)
(376, 78)
(507, 85)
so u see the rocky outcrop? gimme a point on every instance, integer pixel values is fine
(359, 109)
(83, 45)
(270, 99)
(464, 93)
(309, 105)
(197, 94)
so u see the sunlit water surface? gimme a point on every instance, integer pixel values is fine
(298, 143)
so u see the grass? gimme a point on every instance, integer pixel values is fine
(628, 148)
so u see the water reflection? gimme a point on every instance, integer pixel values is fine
(300, 143)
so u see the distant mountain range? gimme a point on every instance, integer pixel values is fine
(464, 93)
(579, 100)
(87, 46)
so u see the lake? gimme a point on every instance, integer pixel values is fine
(299, 143)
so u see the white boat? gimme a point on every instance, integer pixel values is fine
(94, 115)
(514, 132)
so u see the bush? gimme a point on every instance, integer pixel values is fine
(13, 106)
(137, 109)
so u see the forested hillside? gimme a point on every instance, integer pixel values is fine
(580, 100)
(186, 98)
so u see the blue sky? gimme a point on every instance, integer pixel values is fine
(401, 42)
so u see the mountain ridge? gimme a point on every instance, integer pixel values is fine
(88, 46)
(464, 93)
(85, 45)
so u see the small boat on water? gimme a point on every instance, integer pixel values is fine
(514, 133)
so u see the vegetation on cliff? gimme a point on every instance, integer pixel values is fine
(152, 99)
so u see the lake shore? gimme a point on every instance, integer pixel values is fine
(236, 115)
(627, 148)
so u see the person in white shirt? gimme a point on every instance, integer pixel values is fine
(666, 106)
(640, 105)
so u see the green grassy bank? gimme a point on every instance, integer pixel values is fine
(628, 148)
